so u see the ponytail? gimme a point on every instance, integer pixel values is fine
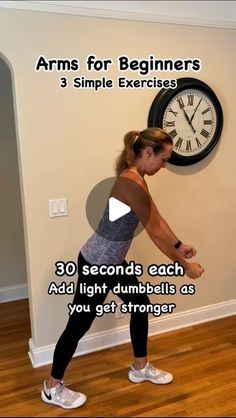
(128, 155)
(135, 141)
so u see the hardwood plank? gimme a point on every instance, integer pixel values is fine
(202, 359)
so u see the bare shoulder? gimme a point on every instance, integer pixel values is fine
(132, 191)
(128, 174)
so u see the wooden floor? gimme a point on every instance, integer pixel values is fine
(202, 359)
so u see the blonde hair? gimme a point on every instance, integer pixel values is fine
(135, 141)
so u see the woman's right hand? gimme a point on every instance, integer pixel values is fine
(194, 270)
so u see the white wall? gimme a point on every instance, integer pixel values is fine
(210, 13)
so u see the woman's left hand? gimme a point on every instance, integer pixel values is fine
(187, 251)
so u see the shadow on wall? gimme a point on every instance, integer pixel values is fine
(195, 168)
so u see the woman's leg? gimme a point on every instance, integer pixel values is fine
(141, 370)
(76, 327)
(139, 331)
(138, 320)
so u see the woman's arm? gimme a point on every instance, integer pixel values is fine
(186, 251)
(162, 236)
(140, 201)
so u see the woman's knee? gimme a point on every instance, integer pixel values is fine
(79, 322)
(141, 300)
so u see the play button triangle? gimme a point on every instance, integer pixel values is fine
(117, 209)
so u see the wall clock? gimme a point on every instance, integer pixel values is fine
(192, 115)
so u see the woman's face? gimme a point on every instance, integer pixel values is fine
(154, 162)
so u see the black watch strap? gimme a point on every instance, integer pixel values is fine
(178, 244)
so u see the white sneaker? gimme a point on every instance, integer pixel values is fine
(151, 374)
(62, 396)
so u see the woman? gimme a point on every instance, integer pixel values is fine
(144, 153)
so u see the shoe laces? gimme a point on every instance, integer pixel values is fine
(158, 372)
(62, 391)
(151, 367)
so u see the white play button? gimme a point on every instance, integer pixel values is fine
(117, 209)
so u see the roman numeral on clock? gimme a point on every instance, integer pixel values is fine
(188, 146)
(178, 143)
(198, 143)
(204, 133)
(172, 134)
(190, 99)
(208, 122)
(168, 124)
(181, 103)
(205, 111)
(172, 111)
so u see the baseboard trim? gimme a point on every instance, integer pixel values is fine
(16, 292)
(40, 356)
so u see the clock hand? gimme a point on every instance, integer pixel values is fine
(195, 110)
(186, 116)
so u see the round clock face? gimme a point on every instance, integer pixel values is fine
(190, 120)
(191, 114)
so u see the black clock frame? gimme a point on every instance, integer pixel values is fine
(162, 100)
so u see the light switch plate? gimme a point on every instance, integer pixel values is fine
(58, 207)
